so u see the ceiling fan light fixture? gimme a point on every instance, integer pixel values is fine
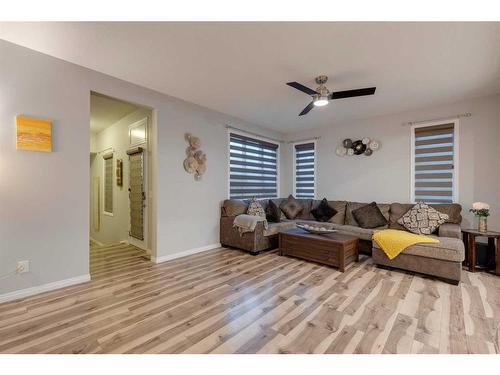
(322, 96)
(320, 101)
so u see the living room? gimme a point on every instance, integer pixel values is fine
(336, 197)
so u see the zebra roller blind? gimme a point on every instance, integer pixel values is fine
(108, 182)
(304, 170)
(253, 166)
(434, 164)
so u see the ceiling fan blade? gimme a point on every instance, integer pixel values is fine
(352, 93)
(302, 88)
(306, 110)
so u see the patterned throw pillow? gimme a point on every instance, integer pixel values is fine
(255, 208)
(422, 219)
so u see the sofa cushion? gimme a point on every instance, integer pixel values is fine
(275, 228)
(349, 218)
(324, 212)
(234, 207)
(452, 210)
(385, 208)
(369, 216)
(291, 207)
(398, 210)
(361, 233)
(273, 212)
(339, 206)
(450, 230)
(422, 219)
(450, 249)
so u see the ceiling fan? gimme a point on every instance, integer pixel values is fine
(321, 96)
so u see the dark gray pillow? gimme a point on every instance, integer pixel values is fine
(324, 211)
(273, 212)
(369, 216)
(291, 207)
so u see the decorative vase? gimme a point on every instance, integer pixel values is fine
(482, 225)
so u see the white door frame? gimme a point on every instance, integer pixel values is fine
(150, 157)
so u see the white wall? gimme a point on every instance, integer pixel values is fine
(114, 228)
(385, 176)
(44, 197)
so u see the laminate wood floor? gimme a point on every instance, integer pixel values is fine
(227, 301)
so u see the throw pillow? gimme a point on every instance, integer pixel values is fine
(273, 212)
(291, 207)
(422, 219)
(324, 211)
(255, 209)
(369, 216)
(305, 214)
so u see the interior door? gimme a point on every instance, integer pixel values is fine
(137, 194)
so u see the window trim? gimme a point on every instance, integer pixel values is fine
(456, 154)
(294, 163)
(104, 212)
(135, 125)
(261, 138)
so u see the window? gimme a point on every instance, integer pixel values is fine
(304, 170)
(108, 182)
(137, 132)
(253, 167)
(434, 163)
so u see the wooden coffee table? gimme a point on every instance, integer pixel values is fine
(334, 249)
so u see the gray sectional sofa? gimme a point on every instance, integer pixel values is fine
(443, 260)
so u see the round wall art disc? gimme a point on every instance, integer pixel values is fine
(341, 151)
(350, 151)
(347, 143)
(368, 152)
(374, 145)
(366, 141)
(358, 147)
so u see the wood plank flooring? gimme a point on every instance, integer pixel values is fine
(227, 301)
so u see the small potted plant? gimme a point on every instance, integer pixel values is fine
(481, 211)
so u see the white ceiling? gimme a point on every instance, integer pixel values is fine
(241, 68)
(105, 111)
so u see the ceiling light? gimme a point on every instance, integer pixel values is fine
(320, 101)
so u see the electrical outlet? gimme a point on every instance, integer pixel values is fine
(23, 266)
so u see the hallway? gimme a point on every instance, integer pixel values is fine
(108, 259)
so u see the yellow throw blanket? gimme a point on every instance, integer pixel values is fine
(393, 241)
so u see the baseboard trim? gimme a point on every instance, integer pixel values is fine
(23, 293)
(185, 253)
(98, 243)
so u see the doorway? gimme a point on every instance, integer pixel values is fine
(120, 174)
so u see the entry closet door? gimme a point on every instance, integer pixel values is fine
(137, 195)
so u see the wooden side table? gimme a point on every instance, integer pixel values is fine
(469, 237)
